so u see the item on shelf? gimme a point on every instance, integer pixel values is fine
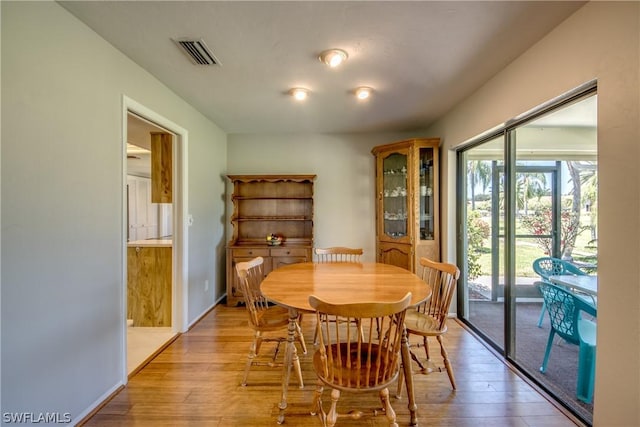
(273, 240)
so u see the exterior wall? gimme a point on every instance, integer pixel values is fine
(63, 329)
(600, 41)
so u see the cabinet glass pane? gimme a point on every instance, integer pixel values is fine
(426, 195)
(394, 195)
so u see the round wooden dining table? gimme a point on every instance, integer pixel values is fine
(290, 286)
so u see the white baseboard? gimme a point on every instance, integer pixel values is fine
(204, 313)
(100, 401)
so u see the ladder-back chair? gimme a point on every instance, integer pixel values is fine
(338, 254)
(270, 323)
(429, 319)
(353, 356)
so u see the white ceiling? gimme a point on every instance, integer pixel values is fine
(139, 145)
(421, 57)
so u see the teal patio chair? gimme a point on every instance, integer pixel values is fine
(549, 266)
(565, 312)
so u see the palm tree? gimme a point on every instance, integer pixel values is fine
(478, 171)
(588, 187)
(529, 185)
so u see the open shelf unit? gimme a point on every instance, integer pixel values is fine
(265, 205)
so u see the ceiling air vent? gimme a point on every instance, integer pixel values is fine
(197, 51)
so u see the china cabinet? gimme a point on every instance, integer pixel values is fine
(265, 205)
(407, 202)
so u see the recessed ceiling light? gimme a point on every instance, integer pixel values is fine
(363, 92)
(333, 57)
(299, 93)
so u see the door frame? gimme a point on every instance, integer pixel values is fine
(179, 288)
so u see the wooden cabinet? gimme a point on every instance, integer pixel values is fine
(149, 285)
(407, 202)
(161, 167)
(265, 205)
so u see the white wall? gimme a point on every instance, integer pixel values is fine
(344, 203)
(62, 207)
(600, 41)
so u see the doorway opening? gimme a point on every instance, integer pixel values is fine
(154, 235)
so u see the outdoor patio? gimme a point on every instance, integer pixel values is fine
(531, 341)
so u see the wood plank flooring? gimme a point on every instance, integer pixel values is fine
(196, 382)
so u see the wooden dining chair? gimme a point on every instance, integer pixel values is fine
(357, 359)
(338, 254)
(429, 319)
(269, 322)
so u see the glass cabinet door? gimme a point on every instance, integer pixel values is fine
(426, 197)
(394, 195)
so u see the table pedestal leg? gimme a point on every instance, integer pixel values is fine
(408, 378)
(290, 358)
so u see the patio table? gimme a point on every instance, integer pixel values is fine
(585, 284)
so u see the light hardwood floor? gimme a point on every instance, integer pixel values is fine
(195, 381)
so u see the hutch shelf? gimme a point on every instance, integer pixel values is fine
(265, 205)
(407, 202)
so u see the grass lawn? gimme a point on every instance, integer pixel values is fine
(527, 250)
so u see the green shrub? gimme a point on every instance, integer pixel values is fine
(477, 231)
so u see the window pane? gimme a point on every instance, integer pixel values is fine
(485, 239)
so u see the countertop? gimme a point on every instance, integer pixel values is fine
(156, 243)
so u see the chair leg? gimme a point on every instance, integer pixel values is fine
(543, 368)
(303, 346)
(296, 365)
(425, 342)
(447, 363)
(388, 409)
(586, 370)
(332, 416)
(316, 408)
(400, 382)
(252, 355)
(542, 312)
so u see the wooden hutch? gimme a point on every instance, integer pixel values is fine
(407, 202)
(264, 205)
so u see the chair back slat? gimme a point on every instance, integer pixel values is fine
(250, 275)
(442, 278)
(338, 254)
(360, 344)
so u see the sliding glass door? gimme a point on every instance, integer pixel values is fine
(483, 219)
(528, 192)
